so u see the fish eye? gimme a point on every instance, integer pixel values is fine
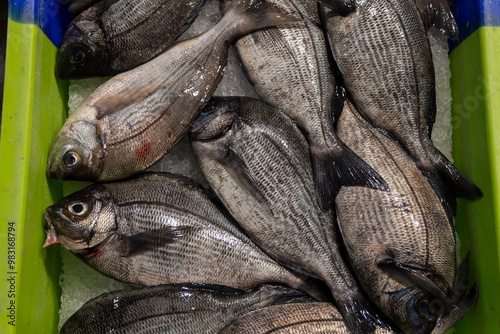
(423, 308)
(78, 58)
(78, 208)
(71, 159)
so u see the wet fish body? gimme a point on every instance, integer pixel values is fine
(161, 229)
(401, 243)
(386, 63)
(173, 309)
(130, 121)
(292, 318)
(115, 36)
(257, 162)
(289, 68)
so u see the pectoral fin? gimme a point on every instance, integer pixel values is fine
(108, 104)
(240, 173)
(150, 240)
(412, 276)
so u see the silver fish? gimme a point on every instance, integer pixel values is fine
(401, 243)
(292, 318)
(384, 56)
(161, 229)
(130, 121)
(115, 36)
(257, 162)
(173, 309)
(289, 68)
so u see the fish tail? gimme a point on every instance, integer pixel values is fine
(444, 192)
(315, 288)
(359, 316)
(439, 14)
(246, 16)
(341, 167)
(462, 186)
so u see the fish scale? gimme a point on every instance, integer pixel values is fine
(161, 229)
(408, 224)
(386, 63)
(289, 68)
(136, 117)
(173, 309)
(259, 166)
(133, 32)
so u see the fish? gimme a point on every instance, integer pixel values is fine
(401, 244)
(115, 36)
(385, 60)
(134, 118)
(77, 6)
(257, 162)
(161, 228)
(173, 309)
(290, 69)
(314, 317)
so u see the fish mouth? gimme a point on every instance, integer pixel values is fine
(51, 233)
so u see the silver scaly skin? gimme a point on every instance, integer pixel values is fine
(289, 69)
(114, 36)
(176, 309)
(384, 57)
(160, 229)
(401, 243)
(133, 119)
(257, 162)
(320, 318)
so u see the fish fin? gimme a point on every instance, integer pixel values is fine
(439, 14)
(256, 14)
(458, 182)
(461, 279)
(331, 171)
(315, 288)
(410, 275)
(445, 194)
(456, 311)
(340, 7)
(150, 240)
(461, 185)
(128, 94)
(240, 173)
(359, 316)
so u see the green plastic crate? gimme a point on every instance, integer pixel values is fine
(35, 107)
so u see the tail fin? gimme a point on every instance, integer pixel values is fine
(316, 289)
(461, 185)
(438, 13)
(360, 317)
(332, 170)
(246, 16)
(444, 192)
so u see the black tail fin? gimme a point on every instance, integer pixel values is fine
(360, 317)
(316, 289)
(461, 185)
(331, 171)
(444, 192)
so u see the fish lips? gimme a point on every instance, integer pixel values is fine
(216, 118)
(51, 233)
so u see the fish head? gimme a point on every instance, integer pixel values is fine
(412, 310)
(216, 119)
(77, 154)
(82, 53)
(82, 220)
